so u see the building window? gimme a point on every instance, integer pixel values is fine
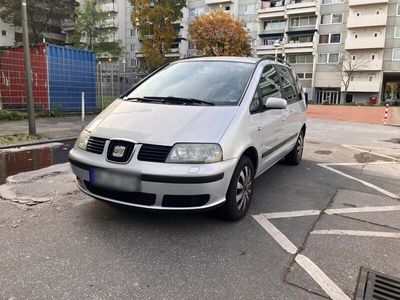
(324, 39)
(250, 9)
(274, 25)
(332, 1)
(133, 62)
(300, 59)
(306, 76)
(371, 77)
(132, 48)
(303, 21)
(3, 33)
(397, 32)
(133, 32)
(373, 57)
(333, 38)
(193, 12)
(328, 58)
(396, 54)
(227, 8)
(334, 18)
(301, 39)
(398, 10)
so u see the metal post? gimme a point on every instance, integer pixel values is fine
(83, 110)
(101, 85)
(28, 79)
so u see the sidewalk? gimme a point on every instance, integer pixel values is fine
(359, 114)
(52, 128)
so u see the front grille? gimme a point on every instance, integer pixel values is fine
(120, 151)
(96, 145)
(128, 197)
(154, 153)
(374, 285)
(185, 200)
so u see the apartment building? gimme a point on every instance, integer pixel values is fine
(319, 37)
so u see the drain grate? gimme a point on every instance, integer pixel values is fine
(375, 285)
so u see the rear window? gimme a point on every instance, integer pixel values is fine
(219, 82)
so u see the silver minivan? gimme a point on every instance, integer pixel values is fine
(194, 135)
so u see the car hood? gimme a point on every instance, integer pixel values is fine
(162, 124)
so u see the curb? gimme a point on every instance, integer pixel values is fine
(37, 143)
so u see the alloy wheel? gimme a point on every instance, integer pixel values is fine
(244, 188)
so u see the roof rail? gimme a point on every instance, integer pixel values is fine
(269, 57)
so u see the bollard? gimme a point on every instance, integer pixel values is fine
(83, 110)
(386, 114)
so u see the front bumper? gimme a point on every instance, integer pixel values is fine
(162, 186)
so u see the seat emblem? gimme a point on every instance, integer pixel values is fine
(118, 151)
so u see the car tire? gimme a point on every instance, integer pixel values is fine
(294, 157)
(240, 191)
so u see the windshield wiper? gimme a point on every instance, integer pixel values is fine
(180, 100)
(145, 99)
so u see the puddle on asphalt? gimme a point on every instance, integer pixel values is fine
(366, 157)
(323, 152)
(14, 161)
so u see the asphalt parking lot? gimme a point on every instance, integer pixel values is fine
(309, 231)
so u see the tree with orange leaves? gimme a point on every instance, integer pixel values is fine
(220, 33)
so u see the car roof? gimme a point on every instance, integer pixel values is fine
(240, 59)
(252, 60)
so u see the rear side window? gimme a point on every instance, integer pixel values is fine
(298, 84)
(269, 84)
(289, 89)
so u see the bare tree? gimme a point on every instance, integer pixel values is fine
(346, 68)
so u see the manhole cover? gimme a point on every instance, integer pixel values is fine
(375, 285)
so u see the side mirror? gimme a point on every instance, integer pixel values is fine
(275, 103)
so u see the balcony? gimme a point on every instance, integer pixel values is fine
(110, 23)
(299, 47)
(266, 50)
(366, 2)
(139, 53)
(364, 86)
(372, 65)
(211, 2)
(270, 31)
(68, 25)
(109, 7)
(365, 43)
(266, 11)
(302, 7)
(366, 21)
(174, 52)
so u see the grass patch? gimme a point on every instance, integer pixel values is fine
(6, 115)
(19, 138)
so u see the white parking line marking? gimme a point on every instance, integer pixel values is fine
(292, 214)
(310, 267)
(363, 164)
(374, 153)
(377, 188)
(331, 211)
(278, 236)
(364, 209)
(369, 147)
(358, 233)
(321, 278)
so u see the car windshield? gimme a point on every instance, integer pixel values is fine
(217, 82)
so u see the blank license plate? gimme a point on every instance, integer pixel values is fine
(114, 180)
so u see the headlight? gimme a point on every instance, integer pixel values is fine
(82, 140)
(195, 153)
